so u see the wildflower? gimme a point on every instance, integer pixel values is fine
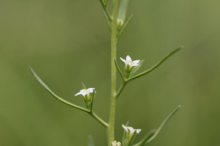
(115, 143)
(131, 130)
(85, 93)
(129, 64)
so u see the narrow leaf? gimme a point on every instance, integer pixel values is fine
(116, 64)
(163, 123)
(123, 10)
(124, 27)
(56, 96)
(92, 100)
(146, 138)
(107, 20)
(136, 68)
(102, 3)
(130, 141)
(91, 142)
(156, 65)
(83, 85)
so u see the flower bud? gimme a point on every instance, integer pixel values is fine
(119, 24)
(122, 13)
(115, 143)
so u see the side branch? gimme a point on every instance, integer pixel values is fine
(54, 95)
(106, 10)
(116, 64)
(120, 89)
(66, 102)
(98, 119)
(156, 65)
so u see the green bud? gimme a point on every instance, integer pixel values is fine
(119, 24)
(122, 12)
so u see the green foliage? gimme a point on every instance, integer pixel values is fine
(117, 27)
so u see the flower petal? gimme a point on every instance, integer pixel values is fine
(123, 60)
(136, 61)
(128, 58)
(134, 65)
(84, 93)
(131, 129)
(79, 93)
(91, 89)
(125, 128)
(138, 130)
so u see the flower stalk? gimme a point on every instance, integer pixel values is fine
(111, 131)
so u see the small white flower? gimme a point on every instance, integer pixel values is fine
(85, 92)
(131, 129)
(115, 143)
(129, 62)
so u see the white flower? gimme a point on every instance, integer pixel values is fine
(129, 62)
(131, 129)
(85, 92)
(115, 143)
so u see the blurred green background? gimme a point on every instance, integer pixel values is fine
(68, 42)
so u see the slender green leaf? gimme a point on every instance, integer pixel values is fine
(130, 141)
(83, 85)
(102, 3)
(156, 65)
(105, 9)
(123, 10)
(136, 68)
(107, 20)
(54, 95)
(116, 64)
(163, 123)
(124, 27)
(146, 138)
(91, 142)
(92, 100)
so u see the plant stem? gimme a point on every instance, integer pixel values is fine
(120, 89)
(98, 119)
(111, 133)
(106, 10)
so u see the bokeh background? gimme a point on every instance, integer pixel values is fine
(68, 42)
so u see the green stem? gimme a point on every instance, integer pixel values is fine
(156, 65)
(98, 119)
(68, 103)
(111, 133)
(120, 89)
(106, 10)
